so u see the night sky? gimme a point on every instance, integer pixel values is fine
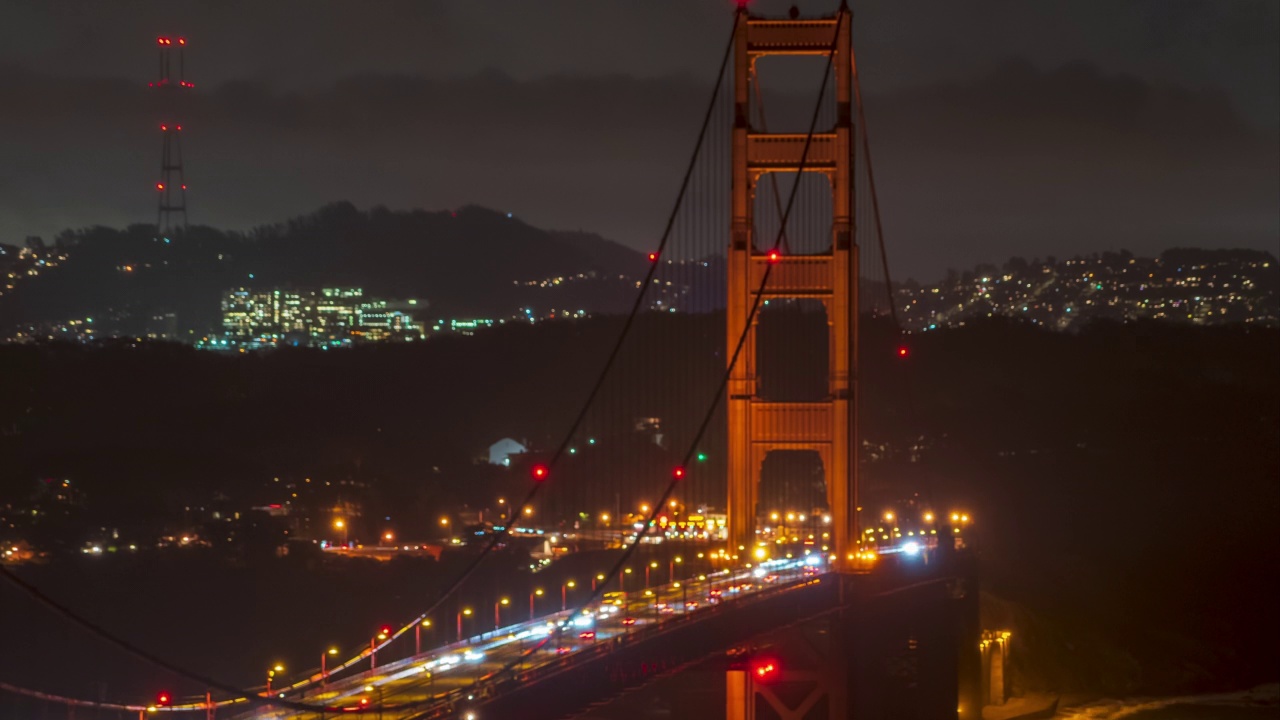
(999, 128)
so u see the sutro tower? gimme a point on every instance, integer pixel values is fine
(171, 189)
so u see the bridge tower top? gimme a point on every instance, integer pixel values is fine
(760, 268)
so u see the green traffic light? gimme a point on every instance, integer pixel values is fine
(702, 457)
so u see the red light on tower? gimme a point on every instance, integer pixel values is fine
(765, 670)
(653, 257)
(164, 128)
(774, 256)
(540, 472)
(678, 473)
(164, 699)
(903, 351)
(159, 186)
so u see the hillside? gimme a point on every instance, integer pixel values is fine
(472, 261)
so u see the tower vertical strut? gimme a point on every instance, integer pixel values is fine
(757, 427)
(171, 190)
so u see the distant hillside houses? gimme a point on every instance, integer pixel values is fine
(1202, 287)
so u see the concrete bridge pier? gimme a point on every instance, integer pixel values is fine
(913, 653)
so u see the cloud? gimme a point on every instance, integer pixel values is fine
(1017, 161)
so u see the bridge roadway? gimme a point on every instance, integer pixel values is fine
(440, 680)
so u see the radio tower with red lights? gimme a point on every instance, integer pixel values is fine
(171, 189)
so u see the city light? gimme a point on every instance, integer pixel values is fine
(539, 472)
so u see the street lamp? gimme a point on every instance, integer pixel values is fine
(564, 594)
(467, 612)
(370, 688)
(651, 565)
(417, 635)
(599, 577)
(324, 673)
(888, 516)
(278, 668)
(537, 593)
(388, 536)
(502, 504)
(384, 632)
(497, 618)
(340, 524)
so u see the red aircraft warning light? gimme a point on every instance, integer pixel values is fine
(774, 256)
(653, 257)
(903, 351)
(765, 670)
(164, 699)
(540, 472)
(678, 473)
(159, 186)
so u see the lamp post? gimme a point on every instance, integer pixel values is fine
(532, 595)
(324, 672)
(564, 595)
(467, 612)
(370, 688)
(647, 568)
(596, 579)
(383, 633)
(497, 617)
(417, 635)
(278, 668)
(671, 577)
(340, 524)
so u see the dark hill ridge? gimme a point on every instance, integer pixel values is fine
(470, 261)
